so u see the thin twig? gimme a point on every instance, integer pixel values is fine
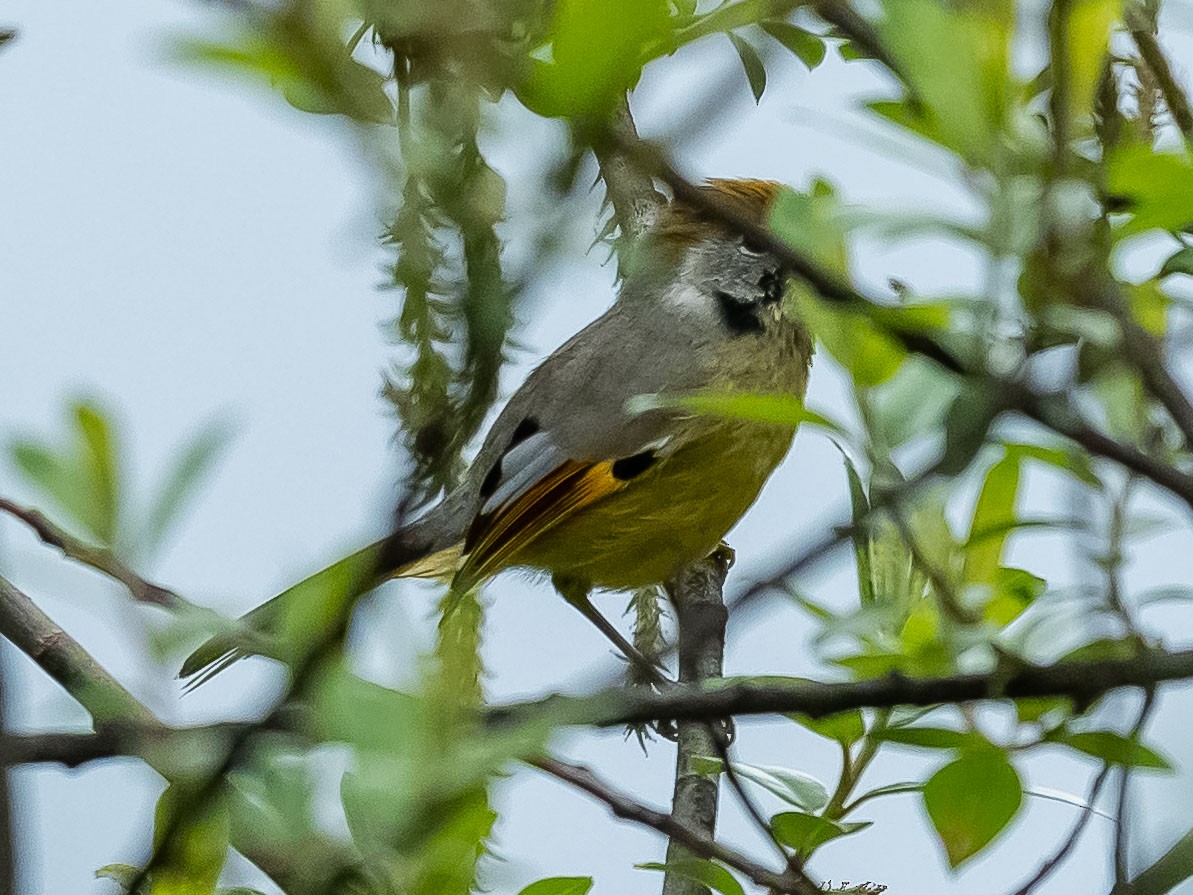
(1121, 876)
(98, 558)
(1147, 354)
(1153, 55)
(696, 841)
(1058, 857)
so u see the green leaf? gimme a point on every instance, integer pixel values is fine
(1035, 709)
(752, 63)
(82, 476)
(844, 727)
(101, 460)
(192, 464)
(925, 737)
(913, 402)
(1113, 748)
(597, 53)
(304, 58)
(1090, 25)
(957, 61)
(891, 789)
(867, 353)
(1104, 649)
(794, 787)
(1156, 187)
(971, 800)
(967, 424)
(699, 870)
(992, 522)
(1180, 261)
(192, 860)
(807, 832)
(782, 410)
(859, 506)
(812, 223)
(1075, 462)
(121, 874)
(1149, 306)
(808, 47)
(560, 885)
(1014, 591)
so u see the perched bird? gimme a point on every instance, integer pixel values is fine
(573, 479)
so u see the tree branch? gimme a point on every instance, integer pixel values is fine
(696, 841)
(124, 724)
(1083, 682)
(98, 558)
(700, 619)
(1153, 56)
(63, 659)
(629, 186)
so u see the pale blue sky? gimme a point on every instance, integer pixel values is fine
(187, 246)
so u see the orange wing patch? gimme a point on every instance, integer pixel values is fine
(494, 538)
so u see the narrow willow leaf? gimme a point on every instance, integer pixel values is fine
(859, 504)
(809, 48)
(699, 870)
(794, 787)
(925, 737)
(992, 522)
(1112, 747)
(193, 857)
(191, 466)
(121, 874)
(560, 885)
(844, 727)
(1180, 261)
(971, 800)
(891, 789)
(752, 63)
(100, 457)
(807, 832)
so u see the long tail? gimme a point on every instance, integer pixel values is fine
(282, 626)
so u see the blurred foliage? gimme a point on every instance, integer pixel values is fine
(1070, 166)
(82, 474)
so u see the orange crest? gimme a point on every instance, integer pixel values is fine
(681, 224)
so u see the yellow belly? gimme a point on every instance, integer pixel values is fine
(673, 514)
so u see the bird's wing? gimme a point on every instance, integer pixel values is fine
(533, 487)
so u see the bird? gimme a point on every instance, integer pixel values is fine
(578, 478)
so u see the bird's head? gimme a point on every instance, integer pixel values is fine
(715, 269)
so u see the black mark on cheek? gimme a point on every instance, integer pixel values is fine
(772, 285)
(741, 317)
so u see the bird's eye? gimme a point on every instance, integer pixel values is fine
(751, 249)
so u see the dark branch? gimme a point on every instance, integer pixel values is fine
(1083, 682)
(695, 841)
(96, 557)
